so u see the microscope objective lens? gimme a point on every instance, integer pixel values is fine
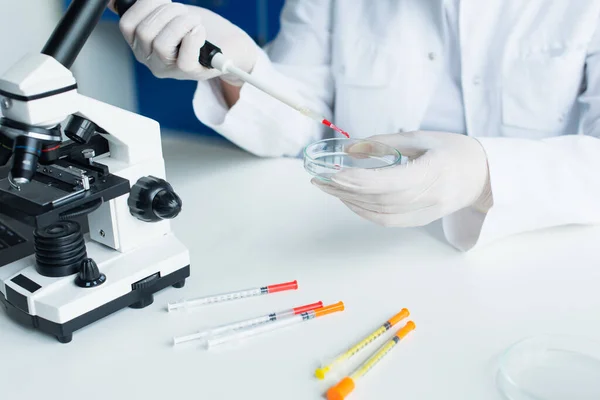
(27, 150)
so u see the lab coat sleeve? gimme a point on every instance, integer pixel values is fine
(297, 62)
(539, 183)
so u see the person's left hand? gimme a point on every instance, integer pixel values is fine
(446, 172)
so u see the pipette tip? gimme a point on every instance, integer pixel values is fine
(335, 127)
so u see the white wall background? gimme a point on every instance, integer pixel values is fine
(104, 69)
(24, 26)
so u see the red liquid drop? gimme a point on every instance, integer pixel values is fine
(335, 128)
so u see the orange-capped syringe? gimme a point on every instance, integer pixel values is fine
(351, 352)
(243, 334)
(347, 385)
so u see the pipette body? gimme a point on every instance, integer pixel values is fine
(230, 296)
(247, 323)
(264, 328)
(320, 373)
(347, 385)
(220, 62)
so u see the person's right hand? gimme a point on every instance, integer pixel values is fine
(167, 37)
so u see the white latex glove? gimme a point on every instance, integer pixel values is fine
(167, 37)
(446, 172)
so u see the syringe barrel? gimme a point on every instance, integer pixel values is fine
(352, 351)
(229, 296)
(248, 323)
(321, 372)
(347, 385)
(374, 360)
(280, 323)
(284, 314)
(263, 319)
(218, 298)
(188, 338)
(383, 351)
(239, 335)
(236, 326)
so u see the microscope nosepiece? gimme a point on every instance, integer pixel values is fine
(27, 145)
(6, 149)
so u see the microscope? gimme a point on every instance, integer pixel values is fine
(85, 208)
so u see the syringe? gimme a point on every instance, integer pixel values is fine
(264, 328)
(347, 385)
(351, 352)
(240, 294)
(247, 323)
(220, 62)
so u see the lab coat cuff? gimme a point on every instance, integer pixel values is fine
(471, 227)
(463, 228)
(210, 106)
(518, 193)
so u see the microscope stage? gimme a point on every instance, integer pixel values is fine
(43, 200)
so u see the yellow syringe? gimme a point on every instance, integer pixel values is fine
(351, 352)
(347, 385)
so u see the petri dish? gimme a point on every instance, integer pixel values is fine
(551, 368)
(327, 157)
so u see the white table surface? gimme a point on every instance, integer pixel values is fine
(250, 222)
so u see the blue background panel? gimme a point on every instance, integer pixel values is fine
(169, 101)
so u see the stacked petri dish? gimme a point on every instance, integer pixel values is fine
(551, 367)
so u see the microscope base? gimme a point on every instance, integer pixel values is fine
(59, 307)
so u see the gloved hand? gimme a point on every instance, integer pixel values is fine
(167, 37)
(446, 172)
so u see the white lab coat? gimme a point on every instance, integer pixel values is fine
(530, 83)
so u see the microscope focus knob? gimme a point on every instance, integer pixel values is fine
(89, 275)
(153, 199)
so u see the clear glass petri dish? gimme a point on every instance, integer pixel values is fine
(326, 158)
(551, 368)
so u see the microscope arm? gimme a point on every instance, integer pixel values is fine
(135, 154)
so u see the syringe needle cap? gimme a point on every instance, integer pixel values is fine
(406, 329)
(404, 313)
(281, 287)
(329, 309)
(341, 390)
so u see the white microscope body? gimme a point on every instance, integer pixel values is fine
(135, 257)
